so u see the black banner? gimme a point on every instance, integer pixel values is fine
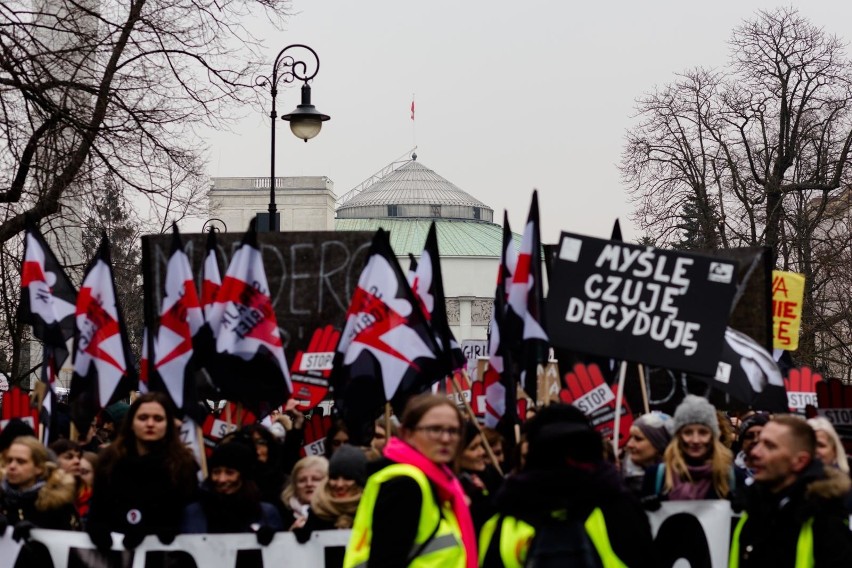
(664, 308)
(311, 275)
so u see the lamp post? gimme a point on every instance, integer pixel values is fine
(305, 121)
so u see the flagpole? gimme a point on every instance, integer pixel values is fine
(473, 419)
(387, 421)
(199, 433)
(619, 402)
(643, 386)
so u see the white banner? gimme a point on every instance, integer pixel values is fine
(324, 550)
(692, 530)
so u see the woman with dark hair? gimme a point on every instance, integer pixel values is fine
(271, 471)
(413, 510)
(475, 479)
(336, 436)
(229, 500)
(144, 479)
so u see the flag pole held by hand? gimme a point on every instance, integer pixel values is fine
(475, 422)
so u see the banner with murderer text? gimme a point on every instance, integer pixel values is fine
(637, 303)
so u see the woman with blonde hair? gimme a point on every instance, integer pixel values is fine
(829, 448)
(696, 465)
(306, 477)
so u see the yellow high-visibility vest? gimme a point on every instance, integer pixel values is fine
(516, 536)
(804, 546)
(438, 543)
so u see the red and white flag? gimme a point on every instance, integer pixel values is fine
(387, 350)
(524, 331)
(498, 381)
(428, 286)
(249, 364)
(180, 320)
(104, 371)
(211, 278)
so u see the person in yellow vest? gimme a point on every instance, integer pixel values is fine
(794, 515)
(567, 506)
(413, 510)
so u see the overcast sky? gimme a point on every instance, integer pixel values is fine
(510, 96)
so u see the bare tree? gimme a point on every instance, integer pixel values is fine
(771, 134)
(93, 90)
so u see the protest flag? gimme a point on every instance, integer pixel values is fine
(499, 382)
(104, 371)
(48, 300)
(428, 287)
(387, 351)
(249, 361)
(211, 277)
(748, 373)
(525, 336)
(181, 319)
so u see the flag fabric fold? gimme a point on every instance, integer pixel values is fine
(387, 350)
(248, 365)
(48, 302)
(428, 287)
(499, 383)
(181, 318)
(524, 332)
(104, 370)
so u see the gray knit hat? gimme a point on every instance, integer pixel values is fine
(657, 429)
(349, 462)
(696, 410)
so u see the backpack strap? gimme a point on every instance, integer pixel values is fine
(661, 473)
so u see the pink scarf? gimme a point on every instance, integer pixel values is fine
(449, 489)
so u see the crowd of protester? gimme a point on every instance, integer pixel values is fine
(433, 488)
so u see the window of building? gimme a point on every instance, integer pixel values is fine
(393, 210)
(477, 213)
(435, 210)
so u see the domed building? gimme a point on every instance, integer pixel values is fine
(404, 199)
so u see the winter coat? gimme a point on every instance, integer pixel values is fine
(138, 496)
(48, 505)
(218, 513)
(770, 535)
(537, 497)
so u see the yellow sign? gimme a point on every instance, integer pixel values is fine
(788, 289)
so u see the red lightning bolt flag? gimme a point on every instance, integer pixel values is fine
(523, 332)
(104, 370)
(180, 321)
(48, 301)
(248, 364)
(387, 350)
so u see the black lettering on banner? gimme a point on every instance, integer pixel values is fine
(333, 556)
(681, 536)
(173, 559)
(249, 558)
(88, 557)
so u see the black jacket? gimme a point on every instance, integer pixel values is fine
(49, 507)
(138, 496)
(534, 496)
(770, 534)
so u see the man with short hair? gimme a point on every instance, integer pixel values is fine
(794, 514)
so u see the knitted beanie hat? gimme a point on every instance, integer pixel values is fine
(234, 455)
(657, 428)
(758, 419)
(696, 410)
(349, 462)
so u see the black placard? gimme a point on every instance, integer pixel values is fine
(311, 275)
(664, 308)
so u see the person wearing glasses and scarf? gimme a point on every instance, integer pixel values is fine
(413, 510)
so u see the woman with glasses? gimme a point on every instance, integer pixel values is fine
(413, 510)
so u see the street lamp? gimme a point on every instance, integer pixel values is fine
(305, 121)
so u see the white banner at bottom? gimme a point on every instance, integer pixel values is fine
(68, 549)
